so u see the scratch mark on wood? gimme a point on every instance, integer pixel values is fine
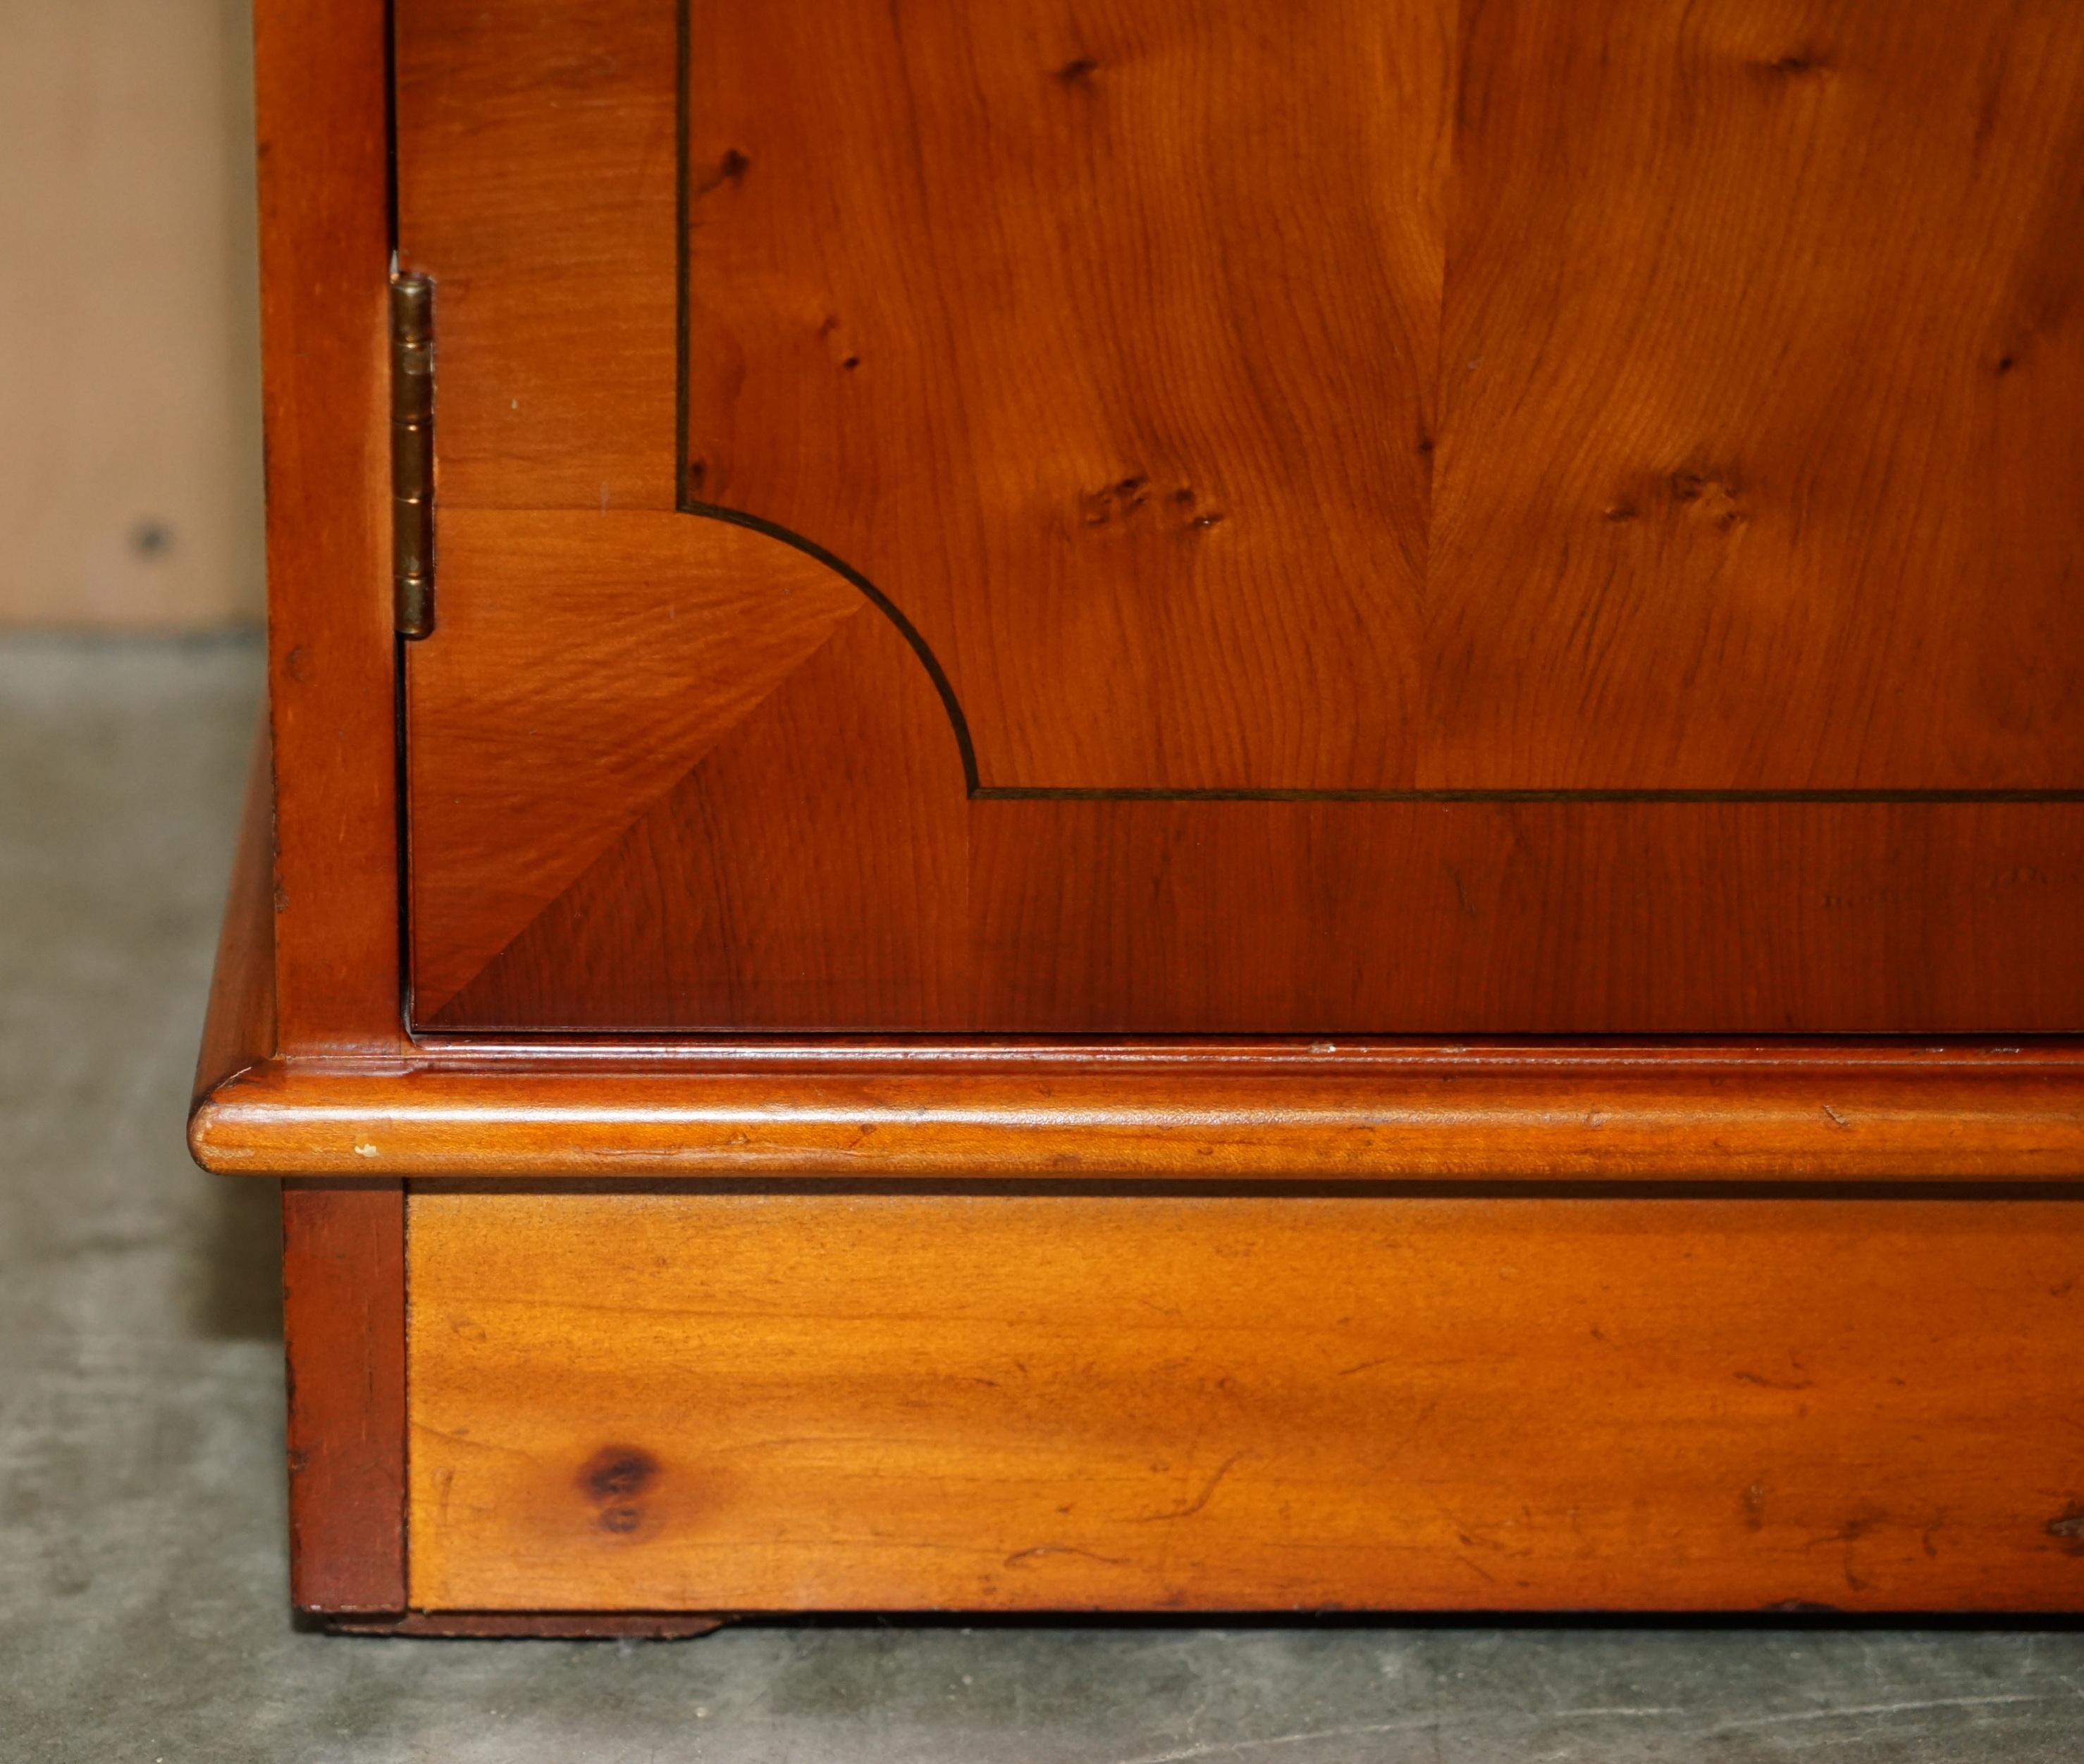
(1200, 1500)
(1063, 1549)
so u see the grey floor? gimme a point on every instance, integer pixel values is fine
(142, 1601)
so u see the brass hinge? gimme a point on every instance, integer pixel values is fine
(413, 454)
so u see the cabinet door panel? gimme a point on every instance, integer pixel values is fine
(1418, 517)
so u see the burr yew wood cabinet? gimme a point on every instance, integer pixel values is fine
(1169, 804)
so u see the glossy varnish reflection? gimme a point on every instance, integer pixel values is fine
(1541, 517)
(1431, 518)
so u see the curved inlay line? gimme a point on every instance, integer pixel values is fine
(1075, 793)
(883, 604)
(1002, 793)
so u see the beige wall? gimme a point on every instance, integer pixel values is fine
(129, 450)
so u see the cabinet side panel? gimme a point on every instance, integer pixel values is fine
(344, 1327)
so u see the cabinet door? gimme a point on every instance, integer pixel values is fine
(1213, 515)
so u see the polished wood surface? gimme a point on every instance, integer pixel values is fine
(1758, 376)
(1770, 1113)
(325, 246)
(239, 1030)
(821, 867)
(732, 632)
(1575, 490)
(1544, 438)
(344, 1334)
(751, 1403)
(1057, 327)
(309, 962)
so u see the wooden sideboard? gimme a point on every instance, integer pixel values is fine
(1213, 807)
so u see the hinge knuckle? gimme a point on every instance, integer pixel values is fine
(413, 454)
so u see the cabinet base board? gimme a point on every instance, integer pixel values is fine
(671, 1400)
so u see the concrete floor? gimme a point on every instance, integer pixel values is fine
(141, 1603)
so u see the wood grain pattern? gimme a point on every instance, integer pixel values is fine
(760, 1403)
(1734, 471)
(239, 1031)
(1053, 324)
(1075, 1112)
(1437, 397)
(739, 859)
(1759, 375)
(322, 109)
(689, 633)
(344, 1332)
(325, 246)
(490, 101)
(821, 867)
(721, 908)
